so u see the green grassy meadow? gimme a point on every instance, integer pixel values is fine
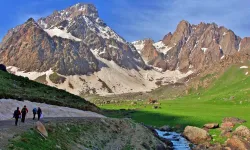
(228, 96)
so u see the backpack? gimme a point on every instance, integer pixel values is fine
(16, 114)
(34, 110)
(24, 111)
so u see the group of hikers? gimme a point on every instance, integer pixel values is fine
(22, 114)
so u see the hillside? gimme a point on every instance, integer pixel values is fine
(73, 127)
(227, 95)
(85, 133)
(20, 88)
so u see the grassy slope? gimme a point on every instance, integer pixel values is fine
(103, 134)
(57, 79)
(24, 89)
(209, 105)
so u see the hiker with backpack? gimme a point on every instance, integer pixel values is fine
(17, 115)
(34, 113)
(24, 112)
(39, 113)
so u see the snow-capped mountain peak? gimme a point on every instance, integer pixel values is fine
(67, 37)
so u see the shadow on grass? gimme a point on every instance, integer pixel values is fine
(154, 119)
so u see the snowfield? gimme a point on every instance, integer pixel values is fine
(204, 49)
(61, 33)
(8, 106)
(112, 79)
(103, 31)
(243, 67)
(161, 47)
(139, 45)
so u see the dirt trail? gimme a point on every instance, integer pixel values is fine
(8, 129)
(8, 106)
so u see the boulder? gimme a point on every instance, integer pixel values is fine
(203, 146)
(226, 125)
(41, 128)
(208, 146)
(211, 125)
(233, 120)
(216, 146)
(165, 128)
(166, 141)
(226, 133)
(242, 131)
(152, 101)
(236, 143)
(196, 135)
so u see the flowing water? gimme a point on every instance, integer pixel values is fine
(179, 142)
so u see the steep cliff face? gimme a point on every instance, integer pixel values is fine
(244, 47)
(32, 49)
(198, 46)
(69, 42)
(83, 22)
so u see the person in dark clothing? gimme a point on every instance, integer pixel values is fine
(34, 113)
(39, 113)
(16, 115)
(24, 112)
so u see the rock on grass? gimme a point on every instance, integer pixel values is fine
(242, 131)
(211, 125)
(233, 120)
(196, 135)
(236, 143)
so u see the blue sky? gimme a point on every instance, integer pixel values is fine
(138, 19)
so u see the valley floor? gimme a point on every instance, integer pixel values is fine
(227, 96)
(179, 113)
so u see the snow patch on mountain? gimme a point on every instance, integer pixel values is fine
(44, 24)
(112, 46)
(161, 47)
(61, 33)
(139, 45)
(31, 75)
(103, 31)
(239, 46)
(204, 49)
(111, 79)
(243, 67)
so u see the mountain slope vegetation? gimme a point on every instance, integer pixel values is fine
(226, 96)
(20, 88)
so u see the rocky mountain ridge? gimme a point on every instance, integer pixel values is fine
(68, 42)
(74, 50)
(193, 47)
